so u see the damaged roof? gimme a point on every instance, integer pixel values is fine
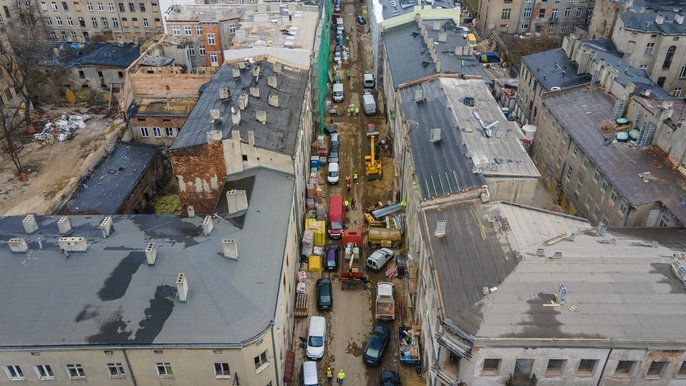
(98, 54)
(280, 131)
(109, 295)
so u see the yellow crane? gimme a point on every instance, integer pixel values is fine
(372, 166)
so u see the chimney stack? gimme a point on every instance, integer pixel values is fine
(442, 37)
(679, 19)
(255, 91)
(64, 225)
(235, 116)
(273, 100)
(278, 67)
(151, 253)
(214, 115)
(230, 249)
(236, 201)
(207, 225)
(261, 116)
(271, 81)
(659, 19)
(190, 211)
(106, 226)
(72, 244)
(224, 93)
(18, 245)
(182, 287)
(437, 25)
(236, 72)
(438, 65)
(213, 136)
(243, 101)
(251, 138)
(30, 224)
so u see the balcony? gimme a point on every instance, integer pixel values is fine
(447, 372)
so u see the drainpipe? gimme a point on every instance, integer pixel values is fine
(602, 372)
(276, 366)
(128, 364)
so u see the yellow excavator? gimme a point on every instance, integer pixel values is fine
(372, 166)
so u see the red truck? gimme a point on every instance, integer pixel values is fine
(336, 218)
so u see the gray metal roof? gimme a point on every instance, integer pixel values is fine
(581, 112)
(553, 68)
(481, 248)
(278, 134)
(410, 60)
(113, 179)
(645, 22)
(502, 155)
(393, 8)
(109, 295)
(441, 168)
(98, 54)
(620, 285)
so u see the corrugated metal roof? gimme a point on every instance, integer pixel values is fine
(109, 295)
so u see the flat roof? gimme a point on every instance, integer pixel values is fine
(388, 9)
(283, 123)
(582, 112)
(501, 155)
(409, 58)
(441, 168)
(481, 248)
(645, 21)
(110, 184)
(175, 107)
(108, 295)
(621, 293)
(202, 13)
(553, 68)
(98, 54)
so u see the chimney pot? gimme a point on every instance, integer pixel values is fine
(72, 244)
(235, 116)
(274, 100)
(18, 245)
(243, 101)
(224, 93)
(64, 225)
(271, 81)
(151, 253)
(230, 249)
(261, 116)
(255, 91)
(215, 115)
(207, 225)
(278, 67)
(30, 224)
(659, 19)
(237, 201)
(106, 226)
(236, 72)
(190, 211)
(182, 287)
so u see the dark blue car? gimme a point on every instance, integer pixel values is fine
(376, 345)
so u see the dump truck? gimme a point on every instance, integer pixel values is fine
(372, 166)
(385, 303)
(384, 237)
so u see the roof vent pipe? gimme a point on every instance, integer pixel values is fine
(64, 225)
(151, 253)
(30, 224)
(182, 287)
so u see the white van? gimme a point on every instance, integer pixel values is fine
(368, 81)
(338, 92)
(316, 338)
(309, 375)
(368, 103)
(379, 258)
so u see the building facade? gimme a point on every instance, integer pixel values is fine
(520, 16)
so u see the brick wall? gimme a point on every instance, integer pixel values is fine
(147, 184)
(200, 173)
(150, 122)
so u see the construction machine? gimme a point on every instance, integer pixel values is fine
(372, 165)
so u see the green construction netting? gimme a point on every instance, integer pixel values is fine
(322, 71)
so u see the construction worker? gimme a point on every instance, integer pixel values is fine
(347, 182)
(352, 203)
(355, 177)
(403, 203)
(346, 203)
(347, 39)
(340, 376)
(329, 375)
(349, 75)
(357, 110)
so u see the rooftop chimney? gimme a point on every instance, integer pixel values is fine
(236, 200)
(679, 19)
(18, 245)
(236, 72)
(256, 71)
(214, 136)
(438, 65)
(442, 37)
(106, 226)
(224, 93)
(30, 224)
(659, 19)
(230, 249)
(182, 287)
(261, 116)
(214, 115)
(243, 101)
(255, 91)
(278, 67)
(151, 253)
(64, 225)
(72, 244)
(190, 211)
(241, 65)
(274, 100)
(251, 138)
(437, 25)
(235, 116)
(271, 81)
(207, 225)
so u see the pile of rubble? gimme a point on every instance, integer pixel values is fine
(61, 129)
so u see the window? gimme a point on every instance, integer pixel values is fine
(221, 370)
(604, 186)
(89, 6)
(134, 21)
(94, 20)
(506, 13)
(121, 7)
(668, 58)
(164, 370)
(541, 12)
(157, 132)
(70, 22)
(75, 371)
(214, 61)
(124, 22)
(176, 30)
(65, 6)
(191, 50)
(14, 373)
(568, 12)
(682, 371)
(643, 66)
(677, 91)
(682, 74)
(44, 372)
(105, 22)
(48, 20)
(210, 38)
(661, 81)
(623, 206)
(187, 30)
(624, 369)
(586, 366)
(527, 12)
(578, 12)
(490, 367)
(132, 7)
(232, 28)
(555, 367)
(596, 176)
(43, 6)
(198, 30)
(524, 26)
(144, 132)
(664, 220)
(101, 7)
(201, 50)
(563, 28)
(575, 150)
(73, 34)
(169, 131)
(569, 173)
(588, 200)
(613, 195)
(110, 6)
(116, 370)
(578, 187)
(553, 15)
(523, 368)
(141, 6)
(655, 369)
(82, 22)
(649, 49)
(146, 24)
(115, 22)
(507, 1)
(54, 6)
(585, 163)
(261, 360)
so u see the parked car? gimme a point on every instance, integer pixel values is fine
(390, 378)
(361, 20)
(337, 54)
(333, 153)
(335, 139)
(376, 345)
(332, 256)
(324, 294)
(334, 173)
(337, 79)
